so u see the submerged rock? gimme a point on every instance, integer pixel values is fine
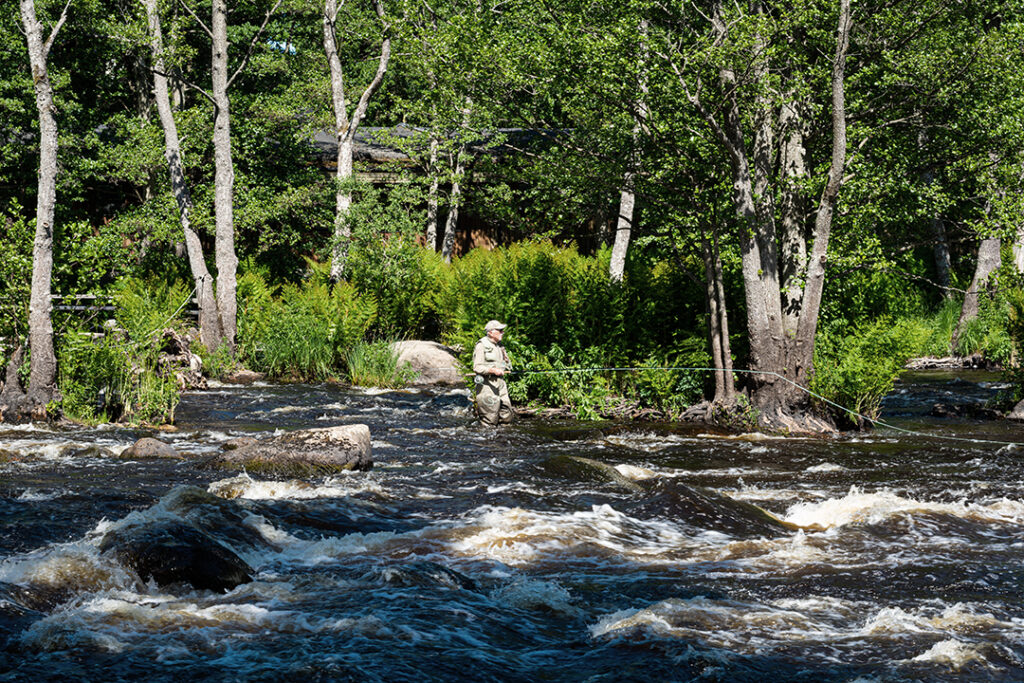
(671, 499)
(150, 448)
(432, 362)
(576, 467)
(306, 452)
(172, 552)
(706, 509)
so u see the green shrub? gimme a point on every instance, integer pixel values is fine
(857, 369)
(305, 331)
(118, 376)
(375, 364)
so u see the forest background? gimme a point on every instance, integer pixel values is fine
(804, 193)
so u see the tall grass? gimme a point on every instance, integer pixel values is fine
(375, 364)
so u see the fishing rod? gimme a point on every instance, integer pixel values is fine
(669, 368)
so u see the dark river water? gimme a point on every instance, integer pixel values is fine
(559, 551)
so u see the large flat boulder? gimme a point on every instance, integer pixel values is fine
(303, 453)
(433, 363)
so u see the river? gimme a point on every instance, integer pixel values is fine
(548, 550)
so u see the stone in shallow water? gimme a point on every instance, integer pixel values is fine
(432, 362)
(305, 452)
(150, 448)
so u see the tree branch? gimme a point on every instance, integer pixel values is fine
(53, 33)
(196, 17)
(252, 44)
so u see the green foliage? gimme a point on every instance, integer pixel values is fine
(941, 324)
(404, 279)
(375, 364)
(305, 331)
(856, 369)
(988, 333)
(118, 376)
(15, 262)
(674, 389)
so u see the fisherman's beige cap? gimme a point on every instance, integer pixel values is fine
(494, 325)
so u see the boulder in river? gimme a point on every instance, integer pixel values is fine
(173, 552)
(305, 452)
(433, 363)
(150, 448)
(1017, 413)
(245, 377)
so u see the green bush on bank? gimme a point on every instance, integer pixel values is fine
(857, 368)
(300, 331)
(118, 376)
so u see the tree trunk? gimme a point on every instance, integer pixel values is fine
(210, 333)
(627, 196)
(623, 227)
(224, 178)
(792, 159)
(718, 320)
(432, 194)
(989, 260)
(454, 201)
(43, 369)
(941, 253)
(455, 198)
(345, 128)
(801, 356)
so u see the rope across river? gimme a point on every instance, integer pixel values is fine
(671, 368)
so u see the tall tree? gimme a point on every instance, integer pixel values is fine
(781, 355)
(210, 331)
(43, 363)
(222, 78)
(346, 124)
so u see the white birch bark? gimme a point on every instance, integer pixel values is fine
(210, 333)
(432, 193)
(224, 177)
(345, 127)
(627, 197)
(43, 367)
(455, 197)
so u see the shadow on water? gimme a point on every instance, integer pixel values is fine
(551, 550)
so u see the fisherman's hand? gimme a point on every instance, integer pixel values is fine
(498, 371)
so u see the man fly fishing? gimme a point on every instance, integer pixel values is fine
(490, 363)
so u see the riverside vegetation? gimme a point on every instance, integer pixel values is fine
(808, 194)
(568, 314)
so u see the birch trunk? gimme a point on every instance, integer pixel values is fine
(210, 333)
(454, 201)
(345, 128)
(623, 227)
(801, 358)
(792, 159)
(43, 368)
(455, 198)
(432, 194)
(627, 197)
(224, 178)
(989, 260)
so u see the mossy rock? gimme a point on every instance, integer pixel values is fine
(303, 454)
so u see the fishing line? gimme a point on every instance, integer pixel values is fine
(771, 373)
